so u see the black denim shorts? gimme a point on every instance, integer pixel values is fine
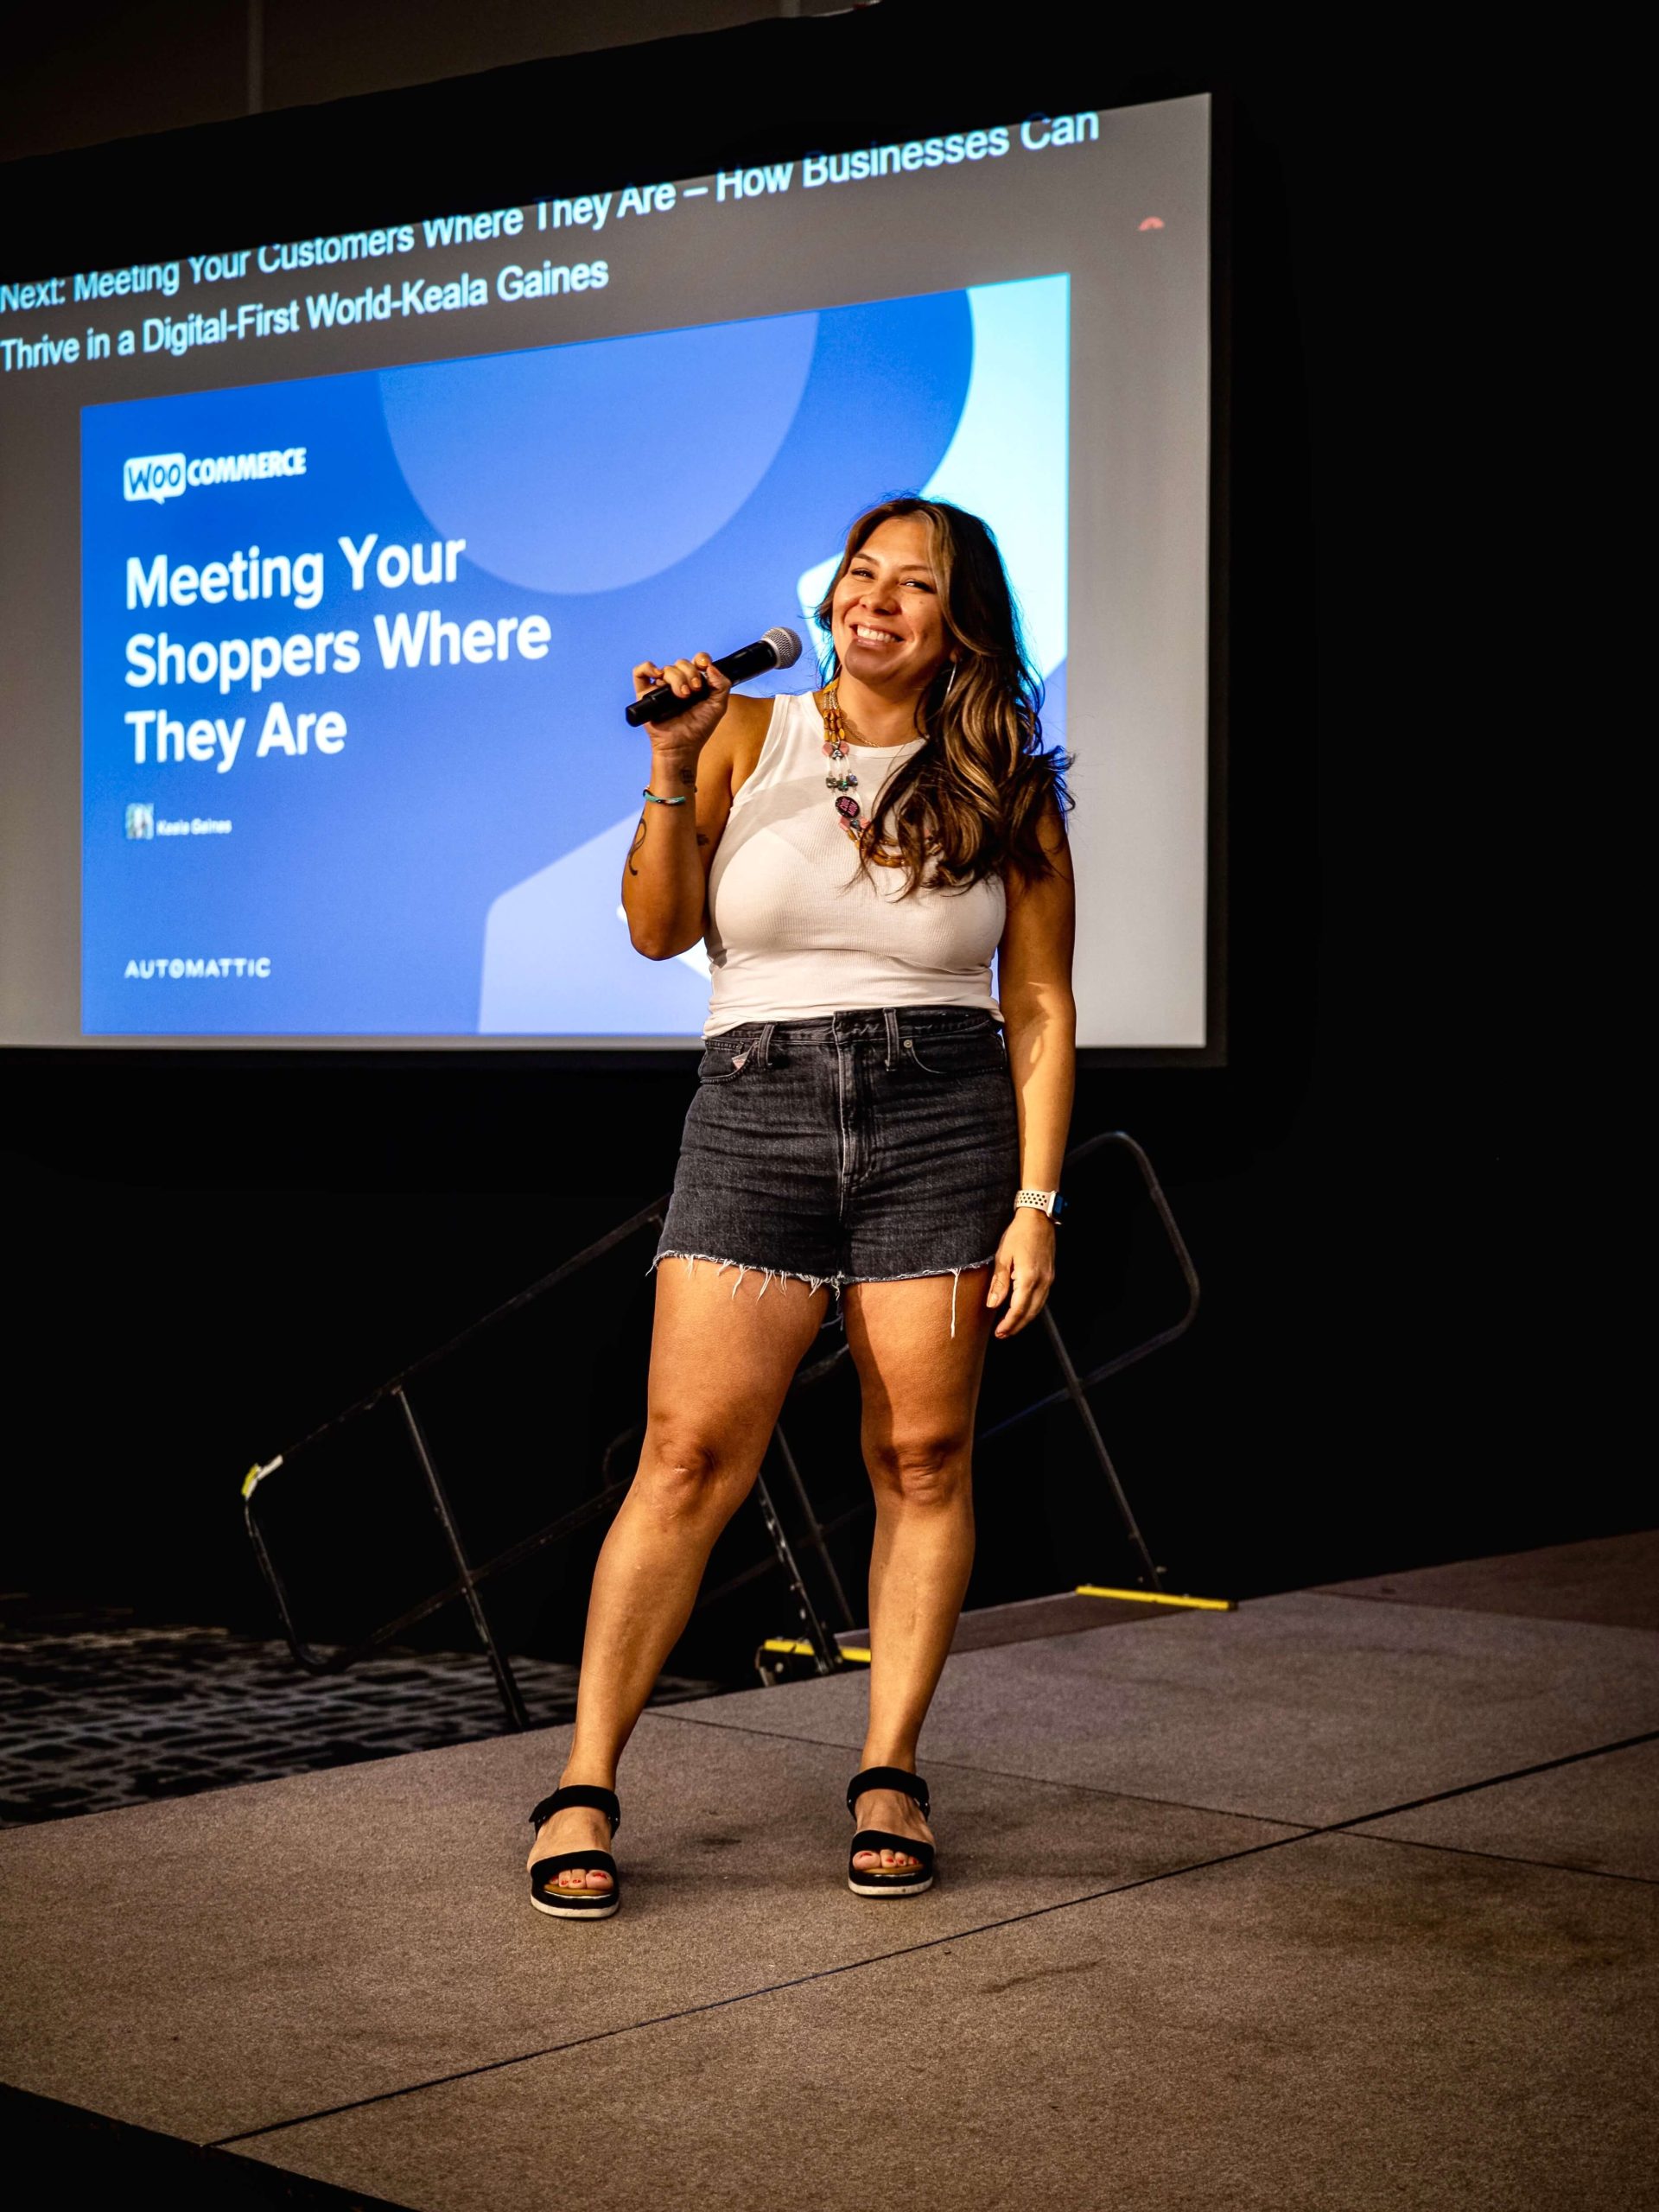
(861, 1147)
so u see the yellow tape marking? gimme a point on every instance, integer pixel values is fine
(1156, 1598)
(799, 1645)
(255, 1476)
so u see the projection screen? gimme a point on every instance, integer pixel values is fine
(323, 563)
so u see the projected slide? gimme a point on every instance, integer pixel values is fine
(324, 560)
(354, 647)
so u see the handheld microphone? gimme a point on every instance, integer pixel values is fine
(779, 648)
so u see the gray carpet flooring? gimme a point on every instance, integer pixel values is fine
(1304, 1709)
(1599, 1814)
(97, 1712)
(269, 1951)
(1325, 1902)
(1613, 1580)
(1336, 2027)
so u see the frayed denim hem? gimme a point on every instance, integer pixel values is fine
(834, 1284)
(926, 1274)
(831, 1283)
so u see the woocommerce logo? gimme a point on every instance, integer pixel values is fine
(164, 475)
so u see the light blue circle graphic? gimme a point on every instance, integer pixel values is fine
(585, 468)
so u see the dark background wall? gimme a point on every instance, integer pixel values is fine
(208, 1252)
(110, 69)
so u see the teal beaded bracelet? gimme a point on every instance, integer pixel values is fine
(652, 797)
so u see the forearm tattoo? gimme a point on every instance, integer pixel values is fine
(639, 836)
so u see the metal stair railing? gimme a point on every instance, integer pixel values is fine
(819, 1641)
(1073, 1387)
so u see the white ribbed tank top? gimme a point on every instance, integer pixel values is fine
(797, 929)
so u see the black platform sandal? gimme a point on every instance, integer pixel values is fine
(576, 1904)
(899, 1882)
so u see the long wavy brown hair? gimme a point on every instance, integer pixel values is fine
(970, 803)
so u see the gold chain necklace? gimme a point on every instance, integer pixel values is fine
(844, 783)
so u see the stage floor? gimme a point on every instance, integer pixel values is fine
(1346, 1898)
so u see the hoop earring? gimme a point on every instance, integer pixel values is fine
(951, 678)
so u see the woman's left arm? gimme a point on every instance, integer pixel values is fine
(1040, 1024)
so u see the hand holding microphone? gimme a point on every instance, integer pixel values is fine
(665, 882)
(690, 699)
(676, 698)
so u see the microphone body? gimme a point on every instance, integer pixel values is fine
(779, 648)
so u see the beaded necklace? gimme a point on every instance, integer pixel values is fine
(844, 783)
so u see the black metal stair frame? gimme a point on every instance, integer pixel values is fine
(467, 1583)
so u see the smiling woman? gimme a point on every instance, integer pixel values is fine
(872, 1121)
(973, 799)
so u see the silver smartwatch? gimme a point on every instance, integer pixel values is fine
(1048, 1202)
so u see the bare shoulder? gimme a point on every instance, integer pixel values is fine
(743, 731)
(1056, 847)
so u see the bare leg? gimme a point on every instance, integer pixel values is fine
(920, 1387)
(722, 1353)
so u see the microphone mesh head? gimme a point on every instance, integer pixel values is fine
(785, 644)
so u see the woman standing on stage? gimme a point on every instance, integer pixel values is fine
(869, 1122)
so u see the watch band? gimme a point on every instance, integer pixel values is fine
(1048, 1202)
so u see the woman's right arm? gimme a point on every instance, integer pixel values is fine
(665, 880)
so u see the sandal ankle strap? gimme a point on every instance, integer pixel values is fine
(580, 1793)
(888, 1778)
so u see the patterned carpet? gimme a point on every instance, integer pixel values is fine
(96, 1713)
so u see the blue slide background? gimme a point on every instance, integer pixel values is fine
(455, 868)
